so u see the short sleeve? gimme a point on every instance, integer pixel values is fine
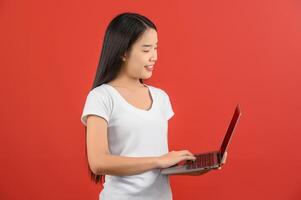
(96, 104)
(168, 110)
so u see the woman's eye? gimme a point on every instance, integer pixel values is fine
(148, 51)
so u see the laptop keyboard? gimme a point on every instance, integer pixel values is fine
(201, 160)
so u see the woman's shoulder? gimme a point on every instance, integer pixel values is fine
(101, 89)
(100, 92)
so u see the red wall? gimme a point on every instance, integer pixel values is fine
(212, 55)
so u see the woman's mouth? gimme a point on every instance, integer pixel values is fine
(149, 67)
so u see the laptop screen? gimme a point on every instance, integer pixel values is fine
(230, 130)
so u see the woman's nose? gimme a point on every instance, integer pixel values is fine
(154, 57)
(153, 60)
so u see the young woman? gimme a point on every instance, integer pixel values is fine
(127, 120)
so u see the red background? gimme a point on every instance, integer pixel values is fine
(211, 56)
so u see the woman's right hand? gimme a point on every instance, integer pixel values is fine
(174, 157)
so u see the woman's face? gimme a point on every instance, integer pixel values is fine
(142, 54)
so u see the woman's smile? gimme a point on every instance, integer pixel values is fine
(150, 67)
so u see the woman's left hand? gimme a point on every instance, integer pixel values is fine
(224, 160)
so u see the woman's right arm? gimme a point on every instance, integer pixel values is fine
(101, 161)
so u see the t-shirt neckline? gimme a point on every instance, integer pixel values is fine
(129, 104)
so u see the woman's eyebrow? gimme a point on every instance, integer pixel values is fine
(148, 45)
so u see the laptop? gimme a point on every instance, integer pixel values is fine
(207, 160)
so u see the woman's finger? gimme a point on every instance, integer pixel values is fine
(189, 153)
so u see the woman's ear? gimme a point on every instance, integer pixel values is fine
(124, 57)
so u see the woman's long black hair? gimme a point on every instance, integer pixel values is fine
(121, 34)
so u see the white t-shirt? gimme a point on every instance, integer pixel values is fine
(133, 132)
